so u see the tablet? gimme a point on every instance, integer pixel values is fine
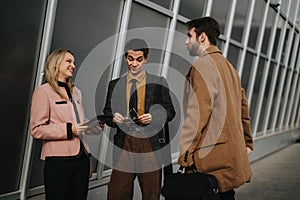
(98, 119)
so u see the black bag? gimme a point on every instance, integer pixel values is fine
(190, 186)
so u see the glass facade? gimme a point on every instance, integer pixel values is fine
(96, 30)
(20, 37)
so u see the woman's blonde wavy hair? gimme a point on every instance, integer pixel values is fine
(52, 63)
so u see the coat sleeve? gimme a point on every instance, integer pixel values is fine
(246, 122)
(40, 125)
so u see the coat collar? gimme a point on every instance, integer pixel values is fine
(65, 85)
(210, 50)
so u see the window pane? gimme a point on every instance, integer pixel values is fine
(285, 43)
(79, 27)
(192, 9)
(239, 21)
(19, 36)
(256, 88)
(266, 97)
(233, 55)
(220, 13)
(297, 115)
(293, 10)
(292, 50)
(268, 29)
(289, 99)
(247, 70)
(152, 27)
(298, 17)
(275, 97)
(284, 6)
(284, 93)
(296, 104)
(257, 18)
(277, 37)
(165, 3)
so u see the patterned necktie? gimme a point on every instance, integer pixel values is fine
(133, 100)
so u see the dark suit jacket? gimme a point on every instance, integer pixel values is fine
(157, 102)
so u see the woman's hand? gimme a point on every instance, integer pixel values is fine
(78, 129)
(118, 118)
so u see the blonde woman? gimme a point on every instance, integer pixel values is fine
(56, 118)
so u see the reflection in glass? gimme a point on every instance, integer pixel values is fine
(19, 38)
(165, 3)
(285, 44)
(296, 105)
(233, 55)
(293, 10)
(268, 30)
(257, 18)
(79, 26)
(142, 17)
(275, 97)
(247, 70)
(239, 20)
(284, 93)
(192, 8)
(284, 6)
(220, 13)
(261, 122)
(256, 89)
(292, 50)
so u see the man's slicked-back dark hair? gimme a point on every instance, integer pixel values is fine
(136, 44)
(205, 24)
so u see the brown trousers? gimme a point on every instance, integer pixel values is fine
(136, 160)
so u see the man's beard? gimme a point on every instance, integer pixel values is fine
(194, 49)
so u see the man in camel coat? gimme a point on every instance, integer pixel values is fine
(216, 136)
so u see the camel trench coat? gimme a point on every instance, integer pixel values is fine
(216, 128)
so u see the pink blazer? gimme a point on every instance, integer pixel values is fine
(49, 115)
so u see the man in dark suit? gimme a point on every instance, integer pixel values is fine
(141, 106)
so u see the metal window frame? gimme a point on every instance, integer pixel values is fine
(250, 88)
(266, 69)
(175, 17)
(283, 75)
(297, 107)
(297, 96)
(288, 83)
(121, 38)
(245, 39)
(208, 7)
(44, 50)
(156, 7)
(101, 173)
(292, 66)
(294, 85)
(170, 39)
(275, 74)
(228, 28)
